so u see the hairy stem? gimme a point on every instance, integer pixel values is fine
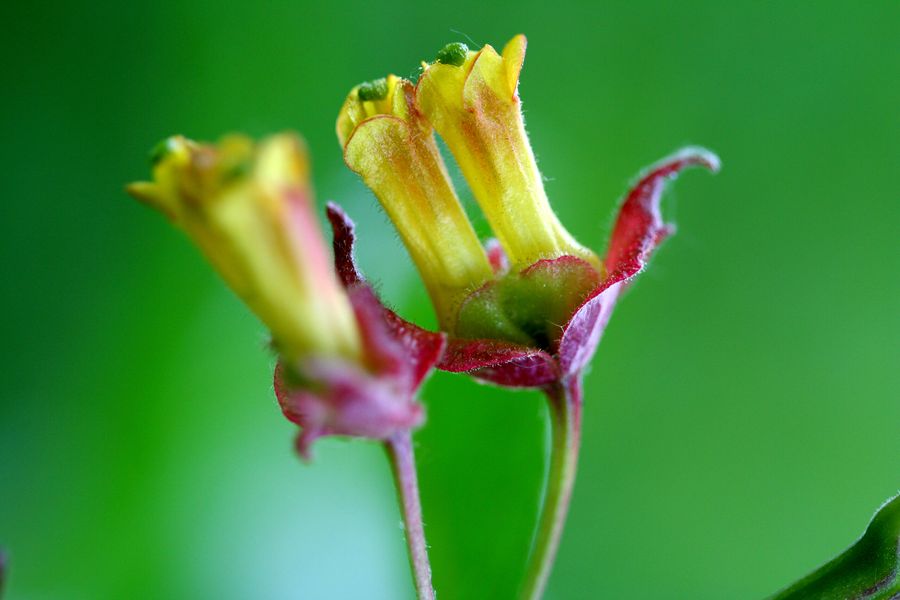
(565, 414)
(403, 463)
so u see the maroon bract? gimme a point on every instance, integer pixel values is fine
(375, 400)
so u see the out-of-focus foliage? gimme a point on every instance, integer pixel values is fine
(741, 415)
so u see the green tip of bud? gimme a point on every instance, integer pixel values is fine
(453, 54)
(236, 171)
(376, 89)
(159, 151)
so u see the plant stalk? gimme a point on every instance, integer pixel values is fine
(565, 401)
(403, 464)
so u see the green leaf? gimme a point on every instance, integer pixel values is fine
(869, 569)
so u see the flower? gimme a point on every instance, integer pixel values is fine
(347, 365)
(378, 400)
(248, 208)
(524, 310)
(472, 100)
(535, 318)
(388, 143)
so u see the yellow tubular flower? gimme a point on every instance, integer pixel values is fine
(471, 99)
(393, 149)
(249, 209)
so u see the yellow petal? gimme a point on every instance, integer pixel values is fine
(513, 58)
(395, 153)
(476, 110)
(282, 163)
(356, 110)
(249, 209)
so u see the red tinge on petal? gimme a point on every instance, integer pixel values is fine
(496, 256)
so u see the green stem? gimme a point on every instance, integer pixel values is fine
(2, 571)
(565, 414)
(403, 464)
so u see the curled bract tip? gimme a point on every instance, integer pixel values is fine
(701, 156)
(686, 157)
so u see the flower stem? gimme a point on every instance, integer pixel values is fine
(403, 464)
(565, 414)
(2, 570)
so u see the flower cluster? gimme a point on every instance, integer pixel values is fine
(526, 309)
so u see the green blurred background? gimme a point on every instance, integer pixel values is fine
(742, 418)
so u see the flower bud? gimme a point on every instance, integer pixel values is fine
(393, 149)
(471, 99)
(249, 209)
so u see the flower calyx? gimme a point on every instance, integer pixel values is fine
(375, 399)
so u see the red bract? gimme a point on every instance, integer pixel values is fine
(638, 231)
(377, 400)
